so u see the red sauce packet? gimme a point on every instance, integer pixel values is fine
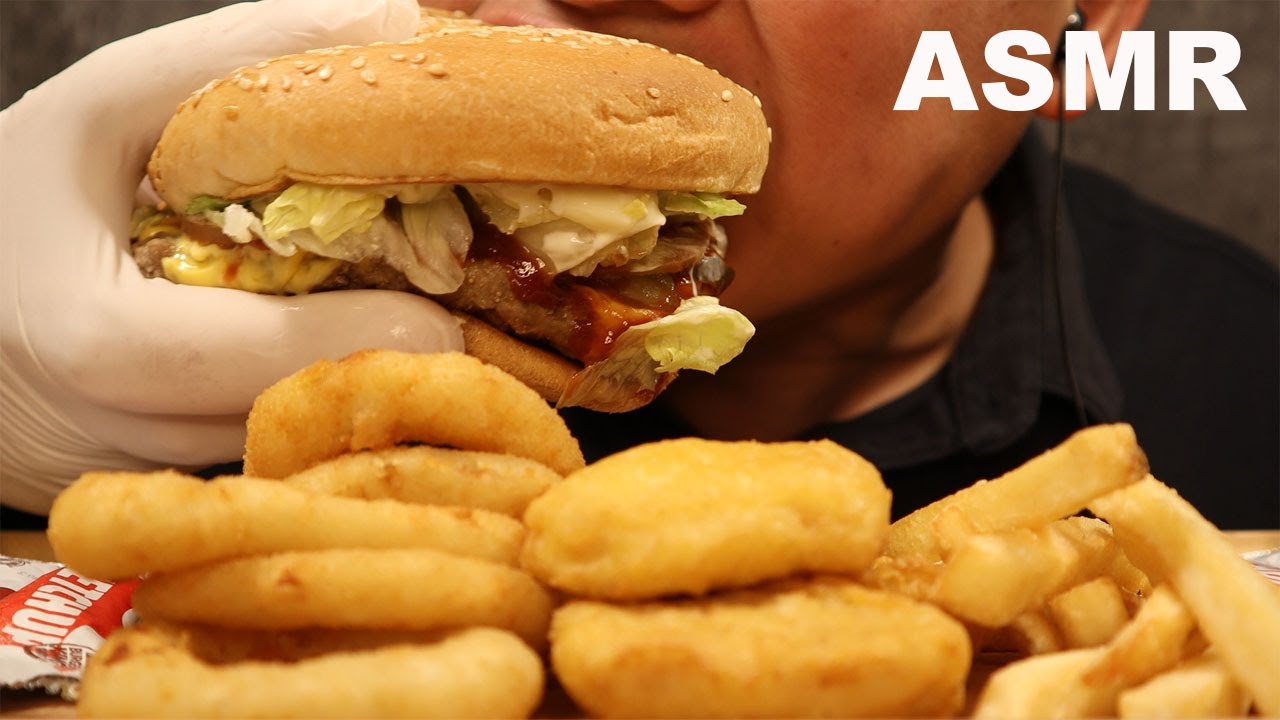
(51, 621)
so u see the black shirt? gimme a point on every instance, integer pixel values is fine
(1170, 327)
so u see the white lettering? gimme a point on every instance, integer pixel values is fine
(1184, 70)
(26, 637)
(1134, 56)
(1136, 50)
(57, 600)
(954, 85)
(1037, 76)
(90, 590)
(38, 621)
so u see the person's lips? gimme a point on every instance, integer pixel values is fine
(508, 15)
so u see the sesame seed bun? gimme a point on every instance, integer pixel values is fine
(459, 103)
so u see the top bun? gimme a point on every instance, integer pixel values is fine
(466, 103)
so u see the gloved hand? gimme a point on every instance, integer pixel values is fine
(102, 368)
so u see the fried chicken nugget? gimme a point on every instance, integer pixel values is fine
(826, 648)
(690, 516)
(429, 475)
(473, 673)
(375, 399)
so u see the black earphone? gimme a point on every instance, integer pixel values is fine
(1075, 21)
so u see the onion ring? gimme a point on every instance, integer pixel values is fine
(221, 645)
(114, 525)
(439, 476)
(474, 673)
(395, 589)
(375, 399)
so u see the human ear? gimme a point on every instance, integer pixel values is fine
(1110, 19)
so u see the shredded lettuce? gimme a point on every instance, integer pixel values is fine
(573, 229)
(144, 218)
(700, 335)
(410, 193)
(439, 235)
(708, 205)
(238, 223)
(203, 203)
(328, 211)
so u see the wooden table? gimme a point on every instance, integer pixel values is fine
(34, 545)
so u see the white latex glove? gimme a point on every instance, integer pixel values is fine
(102, 368)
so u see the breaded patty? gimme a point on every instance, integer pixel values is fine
(825, 648)
(690, 516)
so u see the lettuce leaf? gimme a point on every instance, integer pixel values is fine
(238, 223)
(571, 228)
(438, 235)
(708, 205)
(204, 203)
(700, 335)
(326, 210)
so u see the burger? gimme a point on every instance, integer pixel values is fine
(558, 190)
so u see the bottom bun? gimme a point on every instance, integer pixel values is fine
(542, 370)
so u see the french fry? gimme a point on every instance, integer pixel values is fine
(1236, 608)
(1087, 682)
(1053, 485)
(1201, 687)
(1035, 688)
(1089, 614)
(912, 578)
(993, 578)
(1031, 633)
(1133, 583)
(1151, 643)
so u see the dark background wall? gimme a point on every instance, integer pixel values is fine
(1222, 168)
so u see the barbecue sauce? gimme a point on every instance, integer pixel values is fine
(601, 307)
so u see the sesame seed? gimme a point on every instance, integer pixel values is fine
(262, 65)
(397, 56)
(285, 83)
(727, 95)
(653, 92)
(299, 64)
(231, 111)
(326, 72)
(368, 76)
(514, 41)
(263, 81)
(418, 59)
(358, 62)
(309, 68)
(245, 83)
(436, 69)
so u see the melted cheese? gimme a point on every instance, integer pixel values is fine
(246, 267)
